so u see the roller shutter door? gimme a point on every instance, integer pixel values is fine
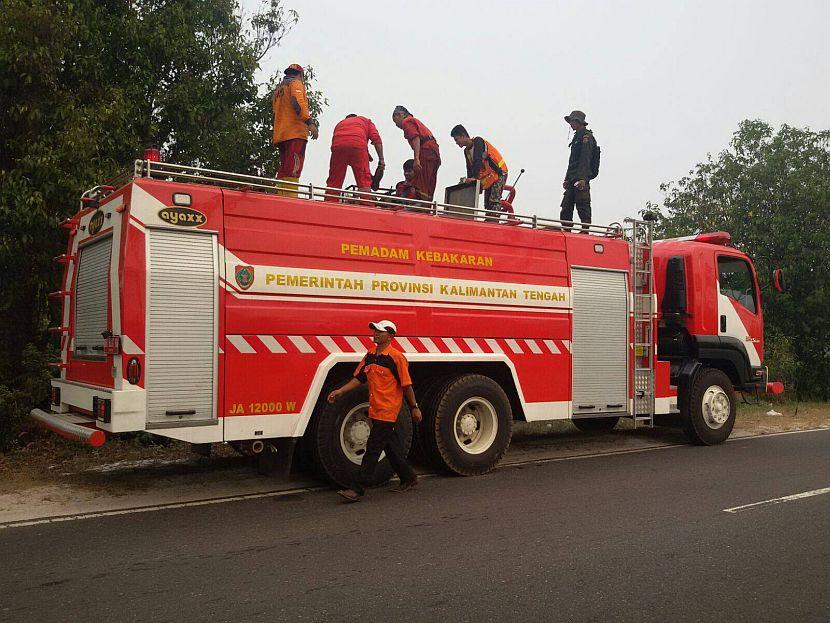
(91, 300)
(600, 341)
(181, 327)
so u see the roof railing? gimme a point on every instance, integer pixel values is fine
(241, 181)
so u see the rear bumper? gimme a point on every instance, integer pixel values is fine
(128, 408)
(72, 426)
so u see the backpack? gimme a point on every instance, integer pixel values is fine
(595, 161)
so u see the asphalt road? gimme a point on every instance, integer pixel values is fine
(629, 537)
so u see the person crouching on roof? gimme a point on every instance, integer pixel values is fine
(387, 372)
(292, 127)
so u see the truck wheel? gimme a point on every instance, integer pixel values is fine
(425, 392)
(595, 425)
(710, 409)
(340, 434)
(471, 425)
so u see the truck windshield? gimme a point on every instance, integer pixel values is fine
(736, 282)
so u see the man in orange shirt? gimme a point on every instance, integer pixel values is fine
(292, 126)
(425, 151)
(387, 372)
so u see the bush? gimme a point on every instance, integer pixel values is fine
(27, 390)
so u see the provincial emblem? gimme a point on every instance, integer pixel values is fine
(244, 276)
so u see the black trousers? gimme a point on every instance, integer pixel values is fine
(579, 198)
(382, 438)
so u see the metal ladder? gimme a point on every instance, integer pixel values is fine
(642, 289)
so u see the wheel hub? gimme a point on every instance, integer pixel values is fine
(359, 432)
(468, 424)
(475, 425)
(716, 406)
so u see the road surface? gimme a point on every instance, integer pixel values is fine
(737, 532)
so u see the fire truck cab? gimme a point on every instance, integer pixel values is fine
(211, 307)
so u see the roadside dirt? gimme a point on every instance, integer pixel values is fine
(48, 475)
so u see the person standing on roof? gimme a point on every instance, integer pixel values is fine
(387, 372)
(425, 151)
(292, 127)
(579, 174)
(348, 149)
(485, 164)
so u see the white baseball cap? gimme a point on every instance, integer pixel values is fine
(384, 325)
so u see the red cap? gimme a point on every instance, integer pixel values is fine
(294, 67)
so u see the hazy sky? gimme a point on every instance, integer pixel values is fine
(662, 83)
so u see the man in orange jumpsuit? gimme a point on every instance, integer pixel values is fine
(348, 149)
(424, 149)
(292, 127)
(387, 372)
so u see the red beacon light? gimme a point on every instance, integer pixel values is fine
(152, 154)
(715, 237)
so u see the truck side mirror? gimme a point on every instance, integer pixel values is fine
(778, 279)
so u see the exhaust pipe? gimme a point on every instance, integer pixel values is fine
(57, 424)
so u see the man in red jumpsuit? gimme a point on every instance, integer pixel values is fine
(424, 149)
(349, 149)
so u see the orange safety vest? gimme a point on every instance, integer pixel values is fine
(493, 165)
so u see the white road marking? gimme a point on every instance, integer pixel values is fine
(786, 498)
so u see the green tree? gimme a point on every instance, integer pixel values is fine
(771, 190)
(85, 86)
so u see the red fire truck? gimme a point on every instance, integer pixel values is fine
(209, 307)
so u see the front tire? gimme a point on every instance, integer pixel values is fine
(711, 409)
(340, 434)
(471, 426)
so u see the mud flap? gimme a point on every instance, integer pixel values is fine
(276, 457)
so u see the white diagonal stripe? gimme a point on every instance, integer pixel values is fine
(567, 345)
(534, 347)
(429, 345)
(551, 346)
(241, 344)
(271, 343)
(473, 345)
(356, 344)
(329, 344)
(454, 348)
(406, 345)
(301, 344)
(494, 346)
(221, 351)
(514, 346)
(128, 346)
(786, 498)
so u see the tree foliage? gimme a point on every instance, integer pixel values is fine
(771, 190)
(85, 86)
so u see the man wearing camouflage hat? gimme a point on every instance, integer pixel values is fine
(583, 166)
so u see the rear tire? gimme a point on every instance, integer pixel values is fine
(711, 408)
(471, 425)
(340, 433)
(595, 425)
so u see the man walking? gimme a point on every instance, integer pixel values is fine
(387, 372)
(292, 127)
(425, 151)
(485, 164)
(349, 149)
(579, 174)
